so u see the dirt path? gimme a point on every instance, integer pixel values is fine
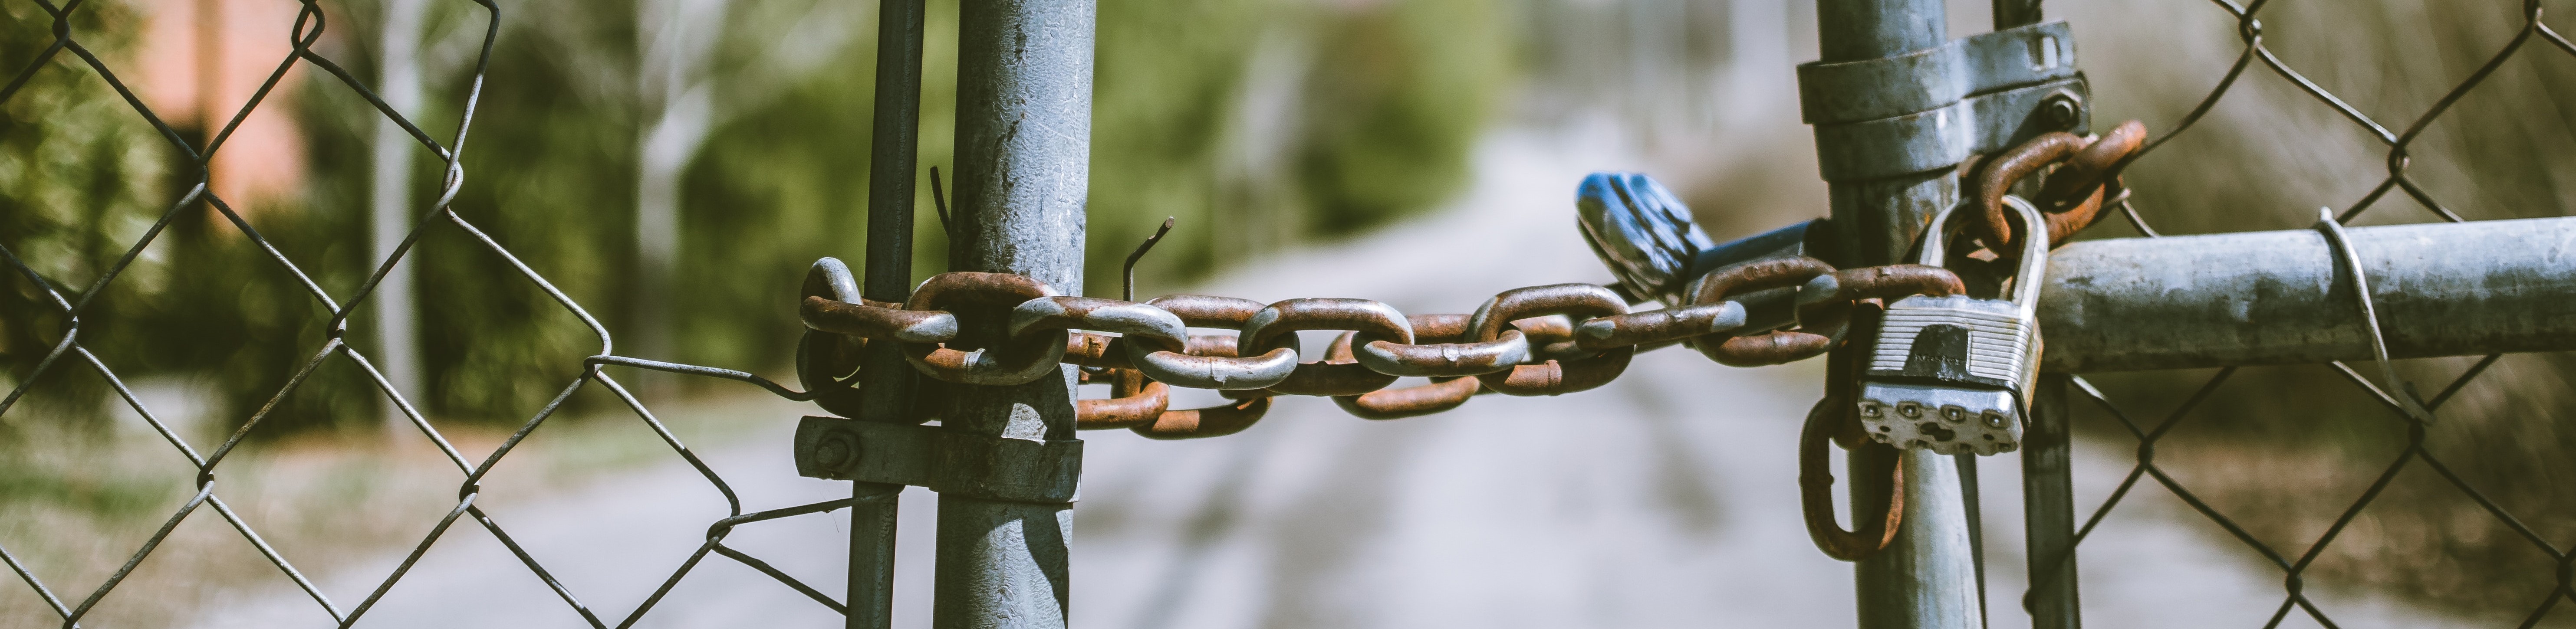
(1665, 499)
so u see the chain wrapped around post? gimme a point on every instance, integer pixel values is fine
(1005, 360)
(1539, 340)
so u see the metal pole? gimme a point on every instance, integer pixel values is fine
(2048, 510)
(2048, 499)
(2277, 297)
(1926, 577)
(2011, 13)
(397, 322)
(886, 384)
(1023, 165)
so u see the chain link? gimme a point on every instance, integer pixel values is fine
(2086, 178)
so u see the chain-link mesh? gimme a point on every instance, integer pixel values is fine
(66, 52)
(68, 353)
(2406, 408)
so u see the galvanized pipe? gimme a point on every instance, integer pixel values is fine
(886, 384)
(1023, 159)
(2048, 510)
(2277, 297)
(1926, 577)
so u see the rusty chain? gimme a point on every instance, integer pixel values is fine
(999, 329)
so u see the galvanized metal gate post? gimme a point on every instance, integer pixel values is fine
(886, 384)
(2048, 509)
(1926, 578)
(1023, 165)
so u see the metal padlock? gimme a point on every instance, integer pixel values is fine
(1953, 374)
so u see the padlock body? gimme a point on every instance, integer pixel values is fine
(1961, 366)
(1943, 419)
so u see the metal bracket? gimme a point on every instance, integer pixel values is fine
(982, 466)
(1933, 108)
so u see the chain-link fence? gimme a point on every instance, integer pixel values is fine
(2514, 562)
(2411, 412)
(74, 602)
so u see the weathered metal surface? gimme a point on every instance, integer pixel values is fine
(886, 385)
(1940, 138)
(1554, 376)
(863, 320)
(2048, 509)
(1924, 80)
(828, 363)
(893, 453)
(1445, 359)
(950, 462)
(1024, 73)
(1217, 421)
(1660, 325)
(2274, 297)
(1874, 527)
(1204, 366)
(989, 300)
(1767, 348)
(1414, 401)
(1138, 402)
(1137, 323)
(2074, 194)
(1925, 578)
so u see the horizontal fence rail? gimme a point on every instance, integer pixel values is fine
(2282, 297)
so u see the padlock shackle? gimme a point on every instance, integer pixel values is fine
(2034, 251)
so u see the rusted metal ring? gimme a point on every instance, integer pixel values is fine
(1779, 346)
(1012, 363)
(1199, 368)
(1816, 483)
(1216, 372)
(1370, 319)
(828, 363)
(2073, 198)
(873, 321)
(1441, 395)
(1137, 323)
(1015, 359)
(1446, 359)
(1554, 376)
(1136, 402)
(1440, 348)
(1995, 177)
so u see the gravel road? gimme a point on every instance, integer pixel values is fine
(1665, 499)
